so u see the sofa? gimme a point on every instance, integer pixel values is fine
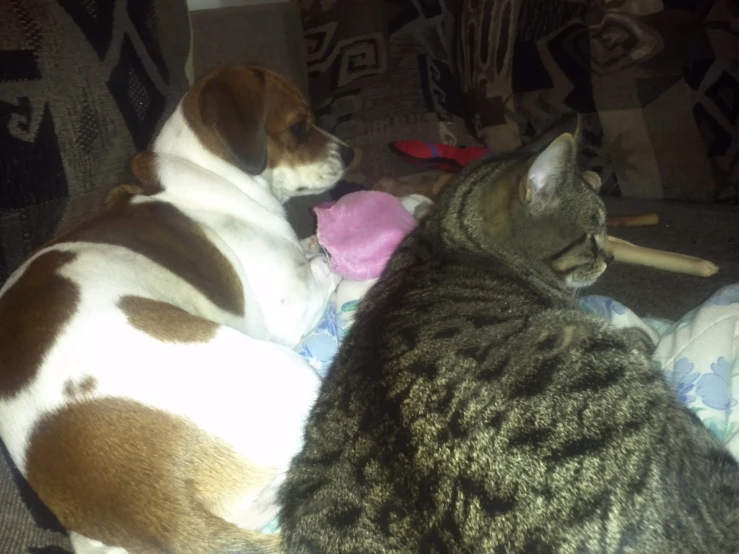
(656, 85)
(84, 85)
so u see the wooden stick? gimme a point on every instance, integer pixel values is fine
(641, 220)
(626, 252)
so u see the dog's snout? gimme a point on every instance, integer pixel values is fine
(347, 154)
(608, 258)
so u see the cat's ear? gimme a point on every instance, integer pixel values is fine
(539, 186)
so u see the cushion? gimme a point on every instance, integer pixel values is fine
(656, 82)
(697, 353)
(83, 86)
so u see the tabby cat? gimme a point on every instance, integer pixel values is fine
(472, 408)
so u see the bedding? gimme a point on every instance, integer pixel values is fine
(698, 353)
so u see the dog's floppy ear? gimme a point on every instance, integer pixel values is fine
(235, 111)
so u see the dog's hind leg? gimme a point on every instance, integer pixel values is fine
(179, 445)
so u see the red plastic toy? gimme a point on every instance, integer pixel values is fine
(437, 156)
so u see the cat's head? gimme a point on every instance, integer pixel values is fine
(542, 209)
(559, 219)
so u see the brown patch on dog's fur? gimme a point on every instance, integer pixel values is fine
(132, 476)
(76, 391)
(166, 322)
(33, 311)
(144, 169)
(121, 195)
(169, 238)
(239, 111)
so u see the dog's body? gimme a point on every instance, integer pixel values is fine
(148, 388)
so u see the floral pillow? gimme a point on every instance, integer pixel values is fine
(699, 355)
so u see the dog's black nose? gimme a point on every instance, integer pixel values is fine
(347, 154)
(609, 258)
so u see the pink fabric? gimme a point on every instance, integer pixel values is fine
(361, 231)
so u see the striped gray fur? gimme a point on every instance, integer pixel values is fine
(472, 408)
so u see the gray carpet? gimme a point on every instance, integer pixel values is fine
(706, 231)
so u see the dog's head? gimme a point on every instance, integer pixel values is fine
(258, 121)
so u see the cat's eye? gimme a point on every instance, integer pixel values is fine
(300, 130)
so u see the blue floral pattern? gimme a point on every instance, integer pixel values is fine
(320, 346)
(714, 388)
(699, 355)
(683, 380)
(620, 316)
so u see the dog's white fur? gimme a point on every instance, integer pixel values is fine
(263, 244)
(246, 385)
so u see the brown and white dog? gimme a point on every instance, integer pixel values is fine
(148, 388)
